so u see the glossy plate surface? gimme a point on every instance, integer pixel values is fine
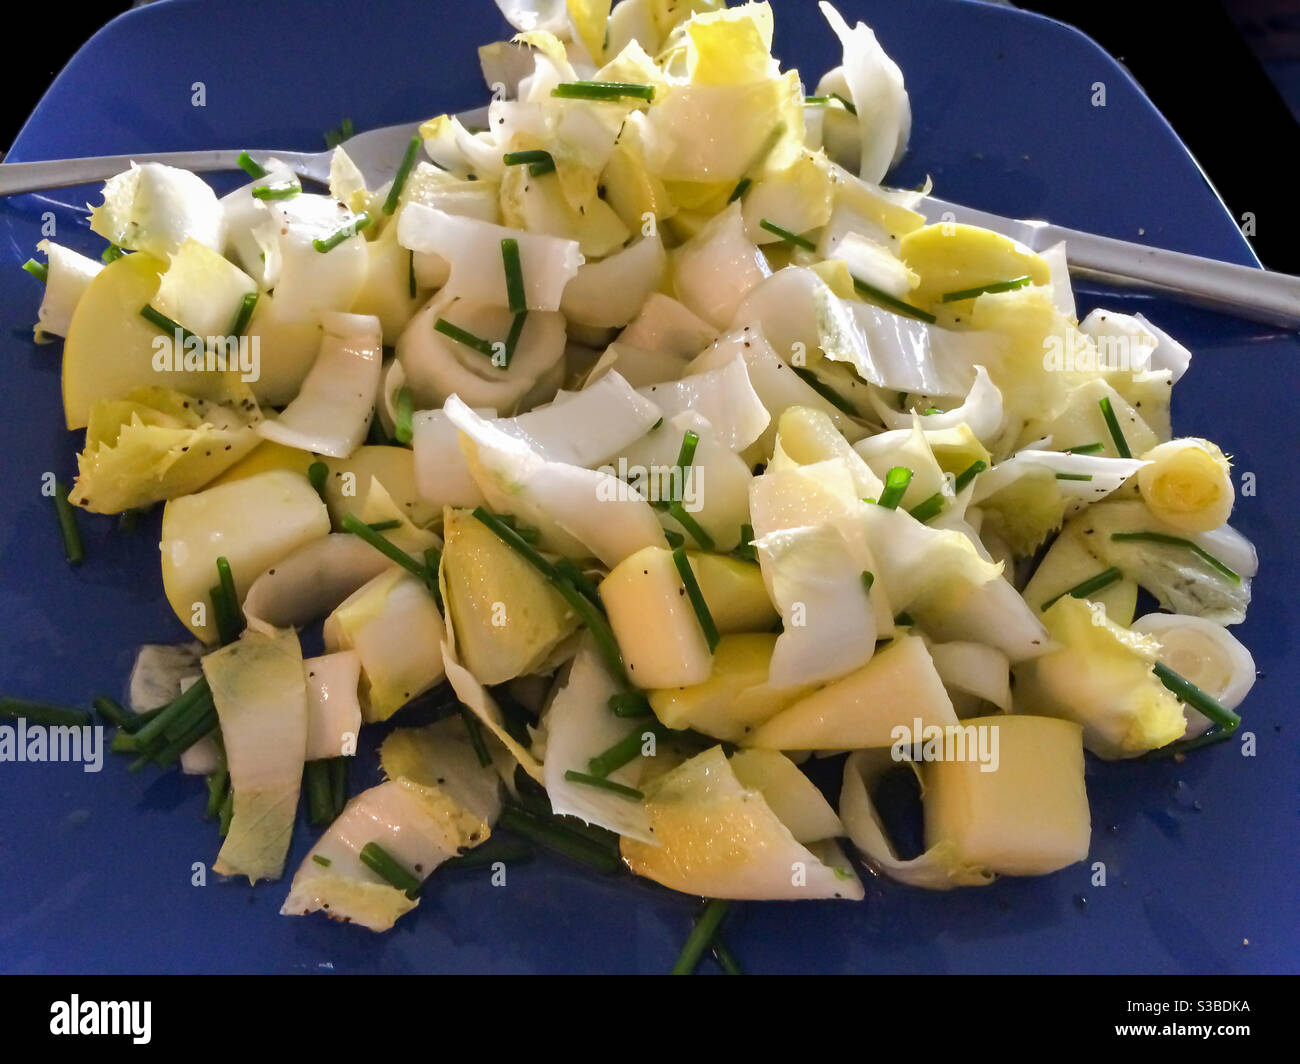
(96, 869)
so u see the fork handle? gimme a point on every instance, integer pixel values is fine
(63, 173)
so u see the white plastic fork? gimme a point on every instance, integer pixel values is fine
(1243, 291)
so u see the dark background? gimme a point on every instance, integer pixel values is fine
(1217, 69)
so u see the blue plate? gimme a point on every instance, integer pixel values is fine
(97, 870)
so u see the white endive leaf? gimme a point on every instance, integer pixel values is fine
(70, 274)
(1205, 654)
(912, 356)
(201, 290)
(550, 16)
(441, 472)
(1062, 291)
(1104, 475)
(442, 755)
(259, 690)
(829, 626)
(332, 411)
(611, 292)
(333, 708)
(980, 411)
(578, 726)
(716, 268)
(311, 283)
(667, 326)
(160, 671)
(473, 248)
(876, 87)
(974, 669)
(873, 263)
(938, 868)
(724, 397)
(156, 208)
(311, 581)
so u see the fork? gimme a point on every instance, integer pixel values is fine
(1243, 291)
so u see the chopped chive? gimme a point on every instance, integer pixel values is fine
(405, 405)
(320, 799)
(1112, 423)
(745, 549)
(507, 851)
(282, 191)
(433, 559)
(335, 137)
(604, 784)
(39, 270)
(787, 235)
(629, 704)
(383, 526)
(701, 936)
(602, 90)
(694, 529)
(824, 390)
(44, 713)
(233, 621)
(1073, 476)
(387, 868)
(558, 838)
(538, 162)
(742, 186)
(1082, 590)
(1227, 721)
(245, 314)
(868, 579)
(462, 336)
(227, 812)
(896, 482)
(892, 303)
(969, 473)
(324, 862)
(1177, 541)
(583, 606)
(725, 958)
(848, 104)
(525, 532)
(352, 523)
(516, 298)
(693, 592)
(399, 178)
(410, 274)
(675, 539)
(993, 286)
(571, 572)
(167, 325)
(627, 749)
(251, 166)
(512, 337)
(930, 410)
(111, 254)
(217, 782)
(318, 473)
(345, 232)
(685, 457)
(114, 712)
(1086, 448)
(339, 783)
(475, 728)
(73, 549)
(929, 508)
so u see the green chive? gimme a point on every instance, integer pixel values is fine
(318, 473)
(230, 618)
(285, 190)
(538, 162)
(1112, 423)
(335, 137)
(1226, 720)
(604, 784)
(591, 615)
(399, 178)
(1082, 590)
(848, 104)
(39, 270)
(475, 729)
(745, 549)
(1086, 448)
(44, 713)
(516, 298)
(626, 750)
(433, 559)
(73, 548)
(512, 337)
(324, 862)
(495, 849)
(168, 326)
(868, 580)
(387, 868)
(696, 596)
(114, 712)
(787, 235)
(696, 531)
(825, 391)
(1177, 541)
(405, 405)
(1073, 476)
(111, 254)
(410, 274)
(994, 286)
(742, 186)
(246, 307)
(891, 302)
(928, 508)
(352, 523)
(227, 812)
(461, 336)
(217, 782)
(555, 837)
(629, 704)
(602, 90)
(675, 539)
(701, 936)
(896, 482)
(725, 958)
(345, 232)
(251, 166)
(320, 799)
(969, 473)
(384, 526)
(339, 783)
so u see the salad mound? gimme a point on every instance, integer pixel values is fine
(647, 437)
